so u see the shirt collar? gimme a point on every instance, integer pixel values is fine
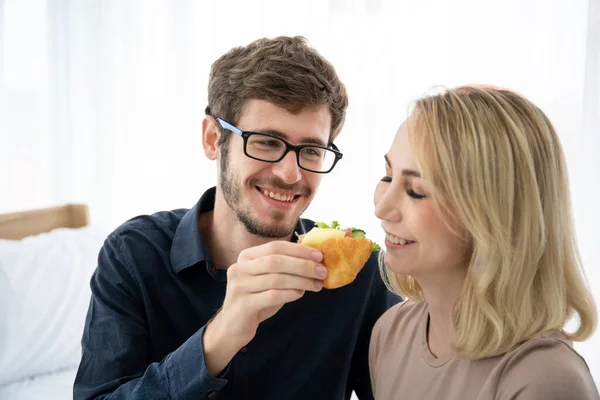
(188, 245)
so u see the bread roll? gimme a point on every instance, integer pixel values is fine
(343, 255)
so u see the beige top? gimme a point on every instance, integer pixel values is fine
(402, 367)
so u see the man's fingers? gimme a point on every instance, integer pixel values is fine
(279, 264)
(262, 283)
(275, 297)
(283, 248)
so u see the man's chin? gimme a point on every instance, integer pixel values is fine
(275, 229)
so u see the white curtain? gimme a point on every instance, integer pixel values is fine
(584, 157)
(101, 101)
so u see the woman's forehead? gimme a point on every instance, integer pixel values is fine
(400, 154)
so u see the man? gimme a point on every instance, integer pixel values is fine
(219, 301)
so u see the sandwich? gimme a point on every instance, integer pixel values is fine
(345, 251)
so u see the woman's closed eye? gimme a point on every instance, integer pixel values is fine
(409, 190)
(414, 194)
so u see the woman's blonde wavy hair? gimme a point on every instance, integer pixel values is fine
(498, 172)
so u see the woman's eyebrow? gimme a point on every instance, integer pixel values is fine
(405, 172)
(410, 172)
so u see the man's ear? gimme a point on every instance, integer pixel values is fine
(210, 137)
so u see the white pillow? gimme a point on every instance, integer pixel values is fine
(44, 297)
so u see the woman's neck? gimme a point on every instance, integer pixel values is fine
(441, 294)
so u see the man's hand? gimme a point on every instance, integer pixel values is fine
(262, 280)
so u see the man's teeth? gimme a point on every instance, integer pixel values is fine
(278, 196)
(397, 240)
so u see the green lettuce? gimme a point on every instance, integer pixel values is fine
(355, 231)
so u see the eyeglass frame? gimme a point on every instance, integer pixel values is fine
(288, 147)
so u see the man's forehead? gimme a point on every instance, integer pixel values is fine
(260, 107)
(310, 124)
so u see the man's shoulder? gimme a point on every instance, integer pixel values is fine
(143, 235)
(160, 222)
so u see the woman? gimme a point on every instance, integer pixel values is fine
(479, 239)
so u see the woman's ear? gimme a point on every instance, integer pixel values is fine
(210, 137)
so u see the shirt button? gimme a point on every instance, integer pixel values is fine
(212, 394)
(244, 349)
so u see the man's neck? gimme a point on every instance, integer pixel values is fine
(225, 236)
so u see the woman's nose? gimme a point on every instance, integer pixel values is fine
(387, 203)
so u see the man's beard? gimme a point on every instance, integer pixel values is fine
(232, 192)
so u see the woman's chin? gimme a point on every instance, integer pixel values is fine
(401, 267)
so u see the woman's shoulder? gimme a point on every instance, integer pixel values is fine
(546, 367)
(402, 315)
(396, 330)
(401, 311)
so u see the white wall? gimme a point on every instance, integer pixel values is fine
(101, 102)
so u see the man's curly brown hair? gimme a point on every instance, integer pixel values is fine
(285, 71)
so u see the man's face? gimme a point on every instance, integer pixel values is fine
(268, 198)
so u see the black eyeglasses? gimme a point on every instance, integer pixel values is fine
(269, 148)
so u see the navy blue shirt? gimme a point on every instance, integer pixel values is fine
(155, 289)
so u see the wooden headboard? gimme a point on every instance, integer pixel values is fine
(18, 225)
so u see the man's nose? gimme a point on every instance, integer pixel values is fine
(287, 169)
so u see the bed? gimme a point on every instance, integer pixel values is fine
(19, 225)
(47, 257)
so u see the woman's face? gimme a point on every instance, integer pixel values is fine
(418, 241)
